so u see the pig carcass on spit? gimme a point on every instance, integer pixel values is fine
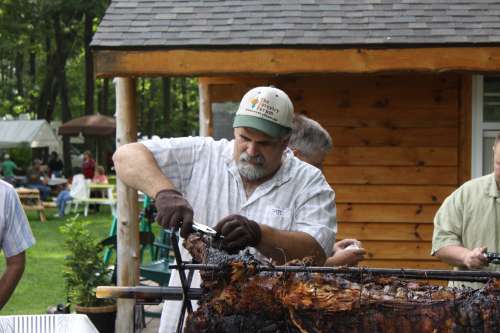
(239, 298)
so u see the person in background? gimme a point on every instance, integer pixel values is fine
(88, 165)
(37, 179)
(100, 175)
(467, 223)
(310, 142)
(15, 239)
(55, 165)
(100, 178)
(76, 190)
(8, 167)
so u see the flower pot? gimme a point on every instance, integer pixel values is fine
(103, 317)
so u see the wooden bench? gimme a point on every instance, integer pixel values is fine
(30, 199)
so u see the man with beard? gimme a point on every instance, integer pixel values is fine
(468, 223)
(251, 189)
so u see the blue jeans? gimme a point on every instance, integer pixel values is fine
(44, 190)
(61, 201)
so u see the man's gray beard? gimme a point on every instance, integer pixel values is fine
(250, 171)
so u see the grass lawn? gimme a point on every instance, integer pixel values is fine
(42, 284)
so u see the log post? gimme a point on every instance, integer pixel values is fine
(127, 227)
(205, 108)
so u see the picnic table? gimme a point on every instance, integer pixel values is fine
(107, 197)
(30, 199)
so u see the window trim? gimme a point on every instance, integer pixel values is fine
(478, 126)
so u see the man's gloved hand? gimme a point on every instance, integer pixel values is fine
(239, 232)
(173, 211)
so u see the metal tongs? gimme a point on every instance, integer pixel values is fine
(492, 257)
(206, 230)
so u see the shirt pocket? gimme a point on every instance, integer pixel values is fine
(278, 217)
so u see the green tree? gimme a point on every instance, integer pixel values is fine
(46, 70)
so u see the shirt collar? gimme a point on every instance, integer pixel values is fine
(492, 188)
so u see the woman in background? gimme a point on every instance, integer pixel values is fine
(88, 165)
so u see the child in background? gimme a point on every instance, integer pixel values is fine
(100, 176)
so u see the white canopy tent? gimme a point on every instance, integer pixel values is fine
(32, 133)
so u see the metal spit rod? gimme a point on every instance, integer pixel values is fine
(436, 274)
(153, 294)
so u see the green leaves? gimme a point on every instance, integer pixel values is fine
(84, 268)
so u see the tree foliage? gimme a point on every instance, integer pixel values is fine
(46, 70)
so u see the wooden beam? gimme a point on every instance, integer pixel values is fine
(128, 229)
(110, 63)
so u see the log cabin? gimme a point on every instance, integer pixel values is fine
(408, 91)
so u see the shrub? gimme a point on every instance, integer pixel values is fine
(84, 268)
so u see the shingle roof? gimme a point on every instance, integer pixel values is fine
(282, 23)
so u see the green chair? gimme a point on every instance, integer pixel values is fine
(146, 238)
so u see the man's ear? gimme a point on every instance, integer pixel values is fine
(285, 142)
(295, 152)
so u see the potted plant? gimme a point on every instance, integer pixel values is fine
(84, 270)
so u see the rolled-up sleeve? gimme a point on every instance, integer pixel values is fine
(176, 157)
(448, 223)
(316, 215)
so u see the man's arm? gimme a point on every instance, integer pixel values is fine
(460, 256)
(282, 245)
(13, 272)
(136, 166)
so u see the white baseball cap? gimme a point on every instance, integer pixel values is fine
(266, 109)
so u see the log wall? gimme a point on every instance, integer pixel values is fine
(398, 140)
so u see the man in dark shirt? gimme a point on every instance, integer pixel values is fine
(55, 165)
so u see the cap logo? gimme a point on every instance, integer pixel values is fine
(254, 102)
(263, 108)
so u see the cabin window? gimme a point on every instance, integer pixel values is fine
(223, 115)
(486, 122)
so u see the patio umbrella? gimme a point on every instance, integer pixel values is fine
(93, 125)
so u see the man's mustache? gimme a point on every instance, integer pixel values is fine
(258, 159)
